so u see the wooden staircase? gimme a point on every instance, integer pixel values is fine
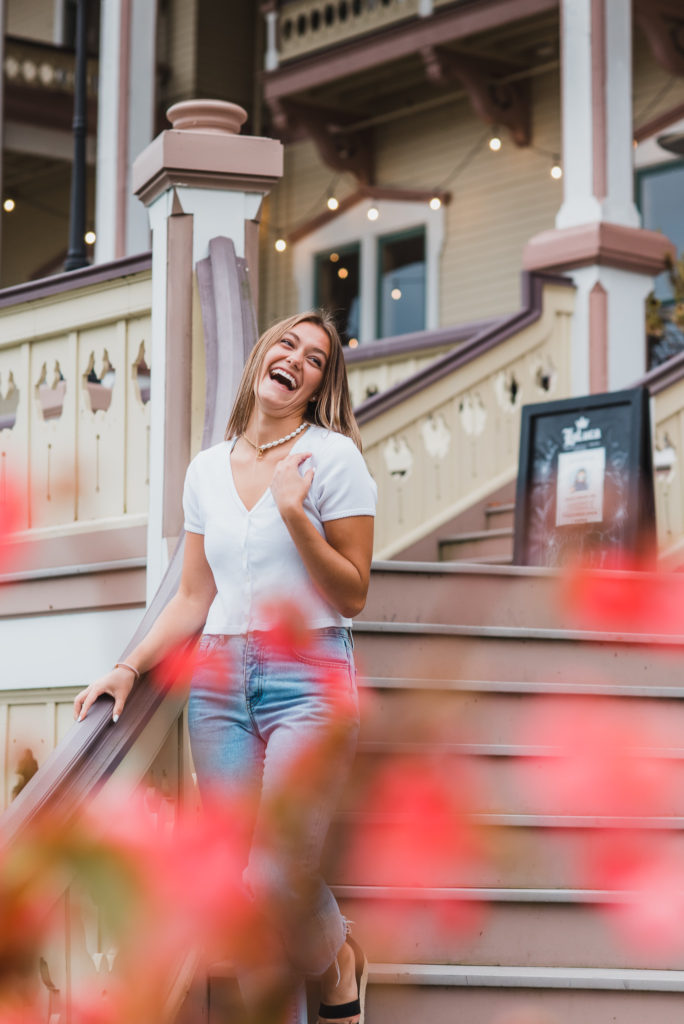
(454, 658)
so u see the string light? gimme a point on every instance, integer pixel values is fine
(556, 171)
(8, 205)
(396, 293)
(373, 213)
(495, 143)
(435, 203)
(343, 273)
(353, 343)
(90, 237)
(333, 203)
(280, 245)
(334, 257)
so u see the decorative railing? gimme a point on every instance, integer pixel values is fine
(448, 436)
(305, 26)
(41, 66)
(74, 396)
(380, 365)
(666, 384)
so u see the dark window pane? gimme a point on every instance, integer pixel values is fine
(337, 288)
(661, 200)
(401, 306)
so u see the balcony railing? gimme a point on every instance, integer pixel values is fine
(305, 26)
(43, 67)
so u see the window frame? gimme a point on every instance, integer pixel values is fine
(396, 236)
(353, 226)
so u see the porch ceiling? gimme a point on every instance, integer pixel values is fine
(364, 79)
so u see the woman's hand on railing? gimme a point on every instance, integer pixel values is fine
(118, 684)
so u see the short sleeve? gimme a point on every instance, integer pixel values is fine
(342, 483)
(194, 519)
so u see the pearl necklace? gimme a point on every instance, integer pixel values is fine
(261, 448)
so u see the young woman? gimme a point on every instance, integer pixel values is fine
(278, 515)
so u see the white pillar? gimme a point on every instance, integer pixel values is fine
(125, 123)
(212, 187)
(597, 239)
(271, 56)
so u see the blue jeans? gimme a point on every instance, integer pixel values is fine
(282, 726)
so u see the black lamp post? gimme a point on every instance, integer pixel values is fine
(76, 254)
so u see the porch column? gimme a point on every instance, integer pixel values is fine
(128, 62)
(597, 239)
(199, 180)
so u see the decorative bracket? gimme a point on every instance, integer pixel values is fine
(495, 100)
(344, 151)
(662, 22)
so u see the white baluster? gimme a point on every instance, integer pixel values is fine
(271, 57)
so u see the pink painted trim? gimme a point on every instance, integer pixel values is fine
(656, 124)
(123, 119)
(611, 245)
(204, 159)
(598, 96)
(73, 279)
(598, 339)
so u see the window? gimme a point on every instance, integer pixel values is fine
(401, 283)
(391, 284)
(660, 195)
(337, 288)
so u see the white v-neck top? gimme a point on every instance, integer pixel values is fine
(254, 560)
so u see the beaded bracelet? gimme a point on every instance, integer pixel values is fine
(124, 664)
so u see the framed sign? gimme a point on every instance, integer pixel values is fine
(585, 480)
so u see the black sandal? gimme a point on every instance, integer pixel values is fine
(354, 1011)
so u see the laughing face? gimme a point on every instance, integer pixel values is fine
(292, 370)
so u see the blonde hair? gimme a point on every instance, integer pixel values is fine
(330, 408)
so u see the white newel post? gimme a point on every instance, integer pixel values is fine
(597, 239)
(199, 180)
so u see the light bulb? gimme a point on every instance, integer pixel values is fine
(495, 143)
(353, 343)
(556, 171)
(333, 203)
(343, 273)
(396, 293)
(280, 245)
(334, 257)
(8, 205)
(435, 203)
(373, 213)
(89, 238)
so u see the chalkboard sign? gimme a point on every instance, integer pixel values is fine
(585, 481)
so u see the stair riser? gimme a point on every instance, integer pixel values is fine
(513, 857)
(402, 655)
(477, 547)
(496, 518)
(420, 715)
(404, 1004)
(507, 934)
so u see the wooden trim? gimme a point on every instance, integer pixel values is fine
(600, 243)
(386, 45)
(656, 124)
(83, 548)
(664, 376)
(83, 278)
(532, 288)
(598, 97)
(116, 587)
(418, 342)
(45, 107)
(598, 339)
(379, 192)
(123, 120)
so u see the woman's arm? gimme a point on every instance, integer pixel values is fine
(184, 615)
(339, 563)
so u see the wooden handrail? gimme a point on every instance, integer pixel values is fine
(92, 750)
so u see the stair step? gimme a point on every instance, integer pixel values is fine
(500, 514)
(442, 993)
(492, 543)
(523, 929)
(539, 655)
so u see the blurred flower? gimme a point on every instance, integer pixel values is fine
(177, 669)
(13, 517)
(599, 757)
(628, 600)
